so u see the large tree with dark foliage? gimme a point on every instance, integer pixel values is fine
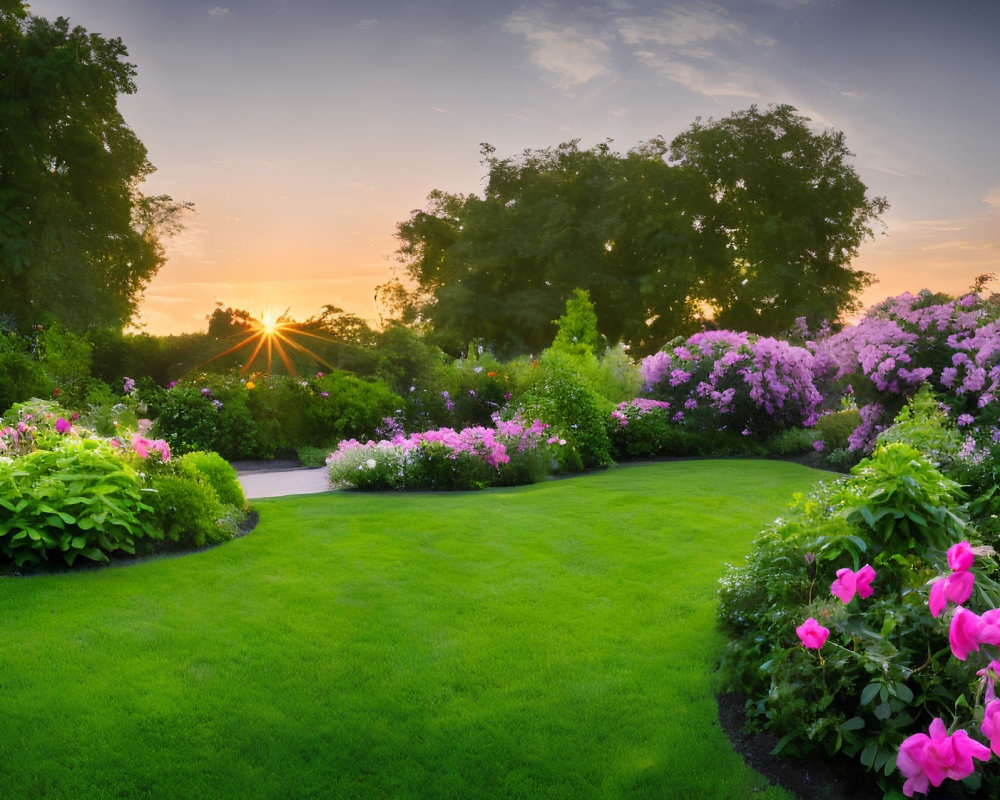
(78, 239)
(751, 220)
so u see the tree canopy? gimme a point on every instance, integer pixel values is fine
(751, 221)
(79, 241)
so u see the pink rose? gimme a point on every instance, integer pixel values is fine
(848, 582)
(960, 557)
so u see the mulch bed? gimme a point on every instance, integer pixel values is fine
(815, 776)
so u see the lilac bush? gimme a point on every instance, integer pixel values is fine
(909, 340)
(739, 382)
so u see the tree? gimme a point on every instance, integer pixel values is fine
(791, 210)
(501, 267)
(752, 219)
(78, 239)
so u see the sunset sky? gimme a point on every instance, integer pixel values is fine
(304, 130)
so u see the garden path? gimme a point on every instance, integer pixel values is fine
(276, 480)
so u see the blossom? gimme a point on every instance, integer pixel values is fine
(924, 760)
(848, 582)
(491, 374)
(964, 633)
(324, 394)
(819, 445)
(62, 426)
(172, 384)
(250, 384)
(812, 634)
(55, 392)
(955, 588)
(991, 724)
(206, 391)
(989, 672)
(128, 385)
(960, 557)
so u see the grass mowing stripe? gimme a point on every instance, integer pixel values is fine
(556, 640)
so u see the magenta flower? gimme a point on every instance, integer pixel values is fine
(62, 426)
(955, 588)
(925, 760)
(991, 725)
(964, 633)
(989, 672)
(848, 582)
(812, 634)
(960, 557)
(141, 445)
(818, 445)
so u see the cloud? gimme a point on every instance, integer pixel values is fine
(366, 23)
(854, 95)
(218, 12)
(442, 110)
(685, 30)
(572, 51)
(734, 83)
(992, 197)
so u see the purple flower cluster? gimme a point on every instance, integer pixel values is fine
(757, 381)
(632, 410)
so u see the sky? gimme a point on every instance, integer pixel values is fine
(304, 130)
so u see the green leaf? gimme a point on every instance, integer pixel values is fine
(79, 542)
(883, 711)
(902, 691)
(782, 743)
(869, 692)
(852, 724)
(868, 755)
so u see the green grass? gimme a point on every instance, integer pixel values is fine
(555, 640)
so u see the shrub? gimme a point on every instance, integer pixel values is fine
(559, 396)
(748, 384)
(79, 498)
(834, 429)
(188, 511)
(217, 473)
(885, 671)
(21, 376)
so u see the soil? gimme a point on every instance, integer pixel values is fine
(815, 776)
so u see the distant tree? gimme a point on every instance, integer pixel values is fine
(78, 239)
(752, 219)
(791, 211)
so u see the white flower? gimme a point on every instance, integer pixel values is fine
(371, 463)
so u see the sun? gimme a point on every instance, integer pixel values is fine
(272, 335)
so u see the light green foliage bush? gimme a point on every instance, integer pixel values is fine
(834, 429)
(188, 511)
(576, 330)
(79, 498)
(924, 424)
(886, 669)
(560, 397)
(217, 473)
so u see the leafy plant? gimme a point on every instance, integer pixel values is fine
(79, 498)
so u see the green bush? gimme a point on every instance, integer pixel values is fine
(559, 397)
(886, 670)
(834, 429)
(188, 510)
(21, 376)
(79, 498)
(217, 473)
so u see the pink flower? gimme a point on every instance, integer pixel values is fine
(924, 760)
(62, 426)
(988, 672)
(960, 557)
(991, 725)
(818, 445)
(848, 582)
(141, 446)
(956, 588)
(963, 635)
(812, 634)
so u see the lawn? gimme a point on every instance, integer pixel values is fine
(555, 640)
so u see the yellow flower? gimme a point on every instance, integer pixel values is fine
(250, 384)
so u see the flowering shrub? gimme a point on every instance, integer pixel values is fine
(735, 381)
(68, 492)
(471, 458)
(890, 666)
(909, 340)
